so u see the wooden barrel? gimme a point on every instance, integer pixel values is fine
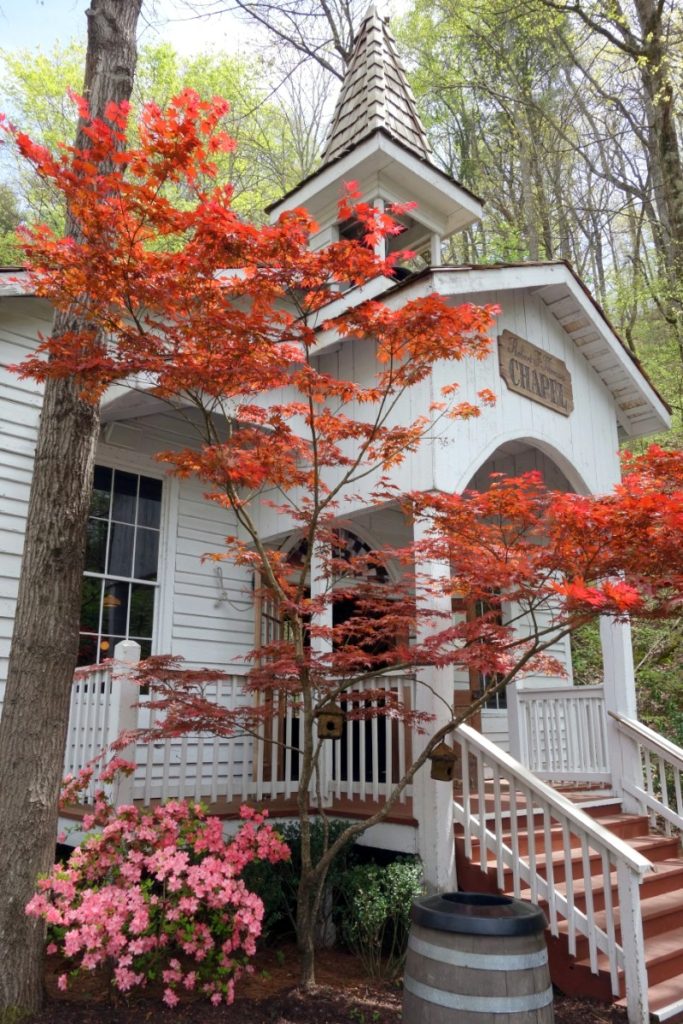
(475, 958)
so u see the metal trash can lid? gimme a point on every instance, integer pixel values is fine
(478, 913)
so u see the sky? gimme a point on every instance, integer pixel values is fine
(26, 24)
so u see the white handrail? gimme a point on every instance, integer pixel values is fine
(517, 798)
(661, 792)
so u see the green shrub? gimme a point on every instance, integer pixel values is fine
(376, 913)
(277, 884)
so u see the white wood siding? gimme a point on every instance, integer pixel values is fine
(20, 400)
(205, 613)
(210, 621)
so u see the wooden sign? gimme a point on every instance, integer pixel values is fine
(529, 371)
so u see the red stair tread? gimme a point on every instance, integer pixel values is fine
(665, 1001)
(649, 846)
(612, 822)
(671, 869)
(650, 908)
(658, 949)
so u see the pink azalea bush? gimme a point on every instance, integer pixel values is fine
(158, 893)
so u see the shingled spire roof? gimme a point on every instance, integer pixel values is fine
(375, 95)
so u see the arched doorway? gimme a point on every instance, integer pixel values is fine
(496, 720)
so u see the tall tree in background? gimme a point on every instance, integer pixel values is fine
(10, 219)
(646, 37)
(44, 643)
(277, 131)
(564, 116)
(316, 30)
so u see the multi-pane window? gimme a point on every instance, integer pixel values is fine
(121, 564)
(497, 701)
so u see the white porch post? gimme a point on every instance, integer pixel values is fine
(515, 724)
(319, 584)
(124, 713)
(381, 246)
(433, 801)
(620, 695)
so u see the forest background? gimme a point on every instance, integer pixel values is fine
(566, 118)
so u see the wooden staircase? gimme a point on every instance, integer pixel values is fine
(583, 873)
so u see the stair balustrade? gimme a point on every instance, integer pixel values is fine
(496, 797)
(660, 795)
(563, 733)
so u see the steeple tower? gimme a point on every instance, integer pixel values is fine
(376, 139)
(375, 95)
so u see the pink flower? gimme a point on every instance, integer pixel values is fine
(62, 982)
(102, 907)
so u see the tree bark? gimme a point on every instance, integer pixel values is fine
(45, 639)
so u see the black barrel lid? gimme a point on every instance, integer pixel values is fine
(478, 913)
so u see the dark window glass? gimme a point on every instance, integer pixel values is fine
(115, 608)
(146, 554)
(121, 550)
(123, 542)
(87, 650)
(90, 605)
(145, 652)
(125, 495)
(149, 505)
(99, 505)
(141, 610)
(96, 545)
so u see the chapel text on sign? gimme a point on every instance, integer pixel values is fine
(529, 371)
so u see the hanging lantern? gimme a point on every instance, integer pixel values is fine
(331, 720)
(443, 760)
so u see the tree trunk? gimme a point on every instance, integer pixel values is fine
(309, 899)
(45, 639)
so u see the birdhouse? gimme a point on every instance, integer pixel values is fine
(443, 760)
(331, 720)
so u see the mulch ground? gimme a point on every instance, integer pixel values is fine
(269, 996)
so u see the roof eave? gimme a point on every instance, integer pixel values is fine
(346, 165)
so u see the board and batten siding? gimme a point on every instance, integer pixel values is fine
(20, 400)
(583, 445)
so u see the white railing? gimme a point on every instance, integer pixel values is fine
(104, 703)
(498, 797)
(374, 752)
(102, 707)
(563, 733)
(89, 719)
(365, 764)
(660, 794)
(196, 766)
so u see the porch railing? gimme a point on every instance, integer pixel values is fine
(364, 765)
(90, 719)
(563, 733)
(497, 798)
(660, 794)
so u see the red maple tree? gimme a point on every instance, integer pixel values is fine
(224, 318)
